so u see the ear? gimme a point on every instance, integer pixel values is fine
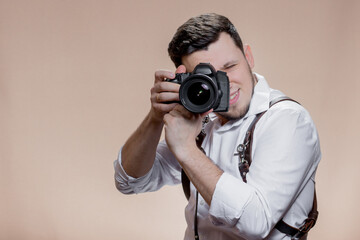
(248, 55)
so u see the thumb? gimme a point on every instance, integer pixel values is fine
(206, 113)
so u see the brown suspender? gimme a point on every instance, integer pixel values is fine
(244, 151)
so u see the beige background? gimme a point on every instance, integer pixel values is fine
(74, 83)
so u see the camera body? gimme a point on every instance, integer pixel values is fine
(203, 89)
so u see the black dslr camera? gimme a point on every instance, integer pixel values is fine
(203, 89)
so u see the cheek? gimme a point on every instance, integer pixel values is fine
(238, 76)
(236, 80)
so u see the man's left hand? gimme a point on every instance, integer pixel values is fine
(182, 128)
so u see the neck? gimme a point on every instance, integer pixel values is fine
(222, 119)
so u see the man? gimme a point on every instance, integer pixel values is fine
(285, 150)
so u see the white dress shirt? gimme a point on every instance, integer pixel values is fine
(280, 182)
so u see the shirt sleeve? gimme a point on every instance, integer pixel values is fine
(165, 171)
(285, 154)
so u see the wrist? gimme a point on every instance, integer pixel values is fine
(184, 153)
(155, 119)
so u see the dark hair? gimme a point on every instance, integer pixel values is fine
(198, 33)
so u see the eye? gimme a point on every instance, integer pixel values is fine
(230, 66)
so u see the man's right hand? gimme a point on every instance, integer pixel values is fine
(164, 92)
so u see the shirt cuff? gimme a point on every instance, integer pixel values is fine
(229, 200)
(127, 183)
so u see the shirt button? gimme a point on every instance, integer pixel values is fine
(202, 202)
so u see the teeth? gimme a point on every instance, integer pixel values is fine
(234, 95)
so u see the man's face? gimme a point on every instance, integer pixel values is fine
(225, 56)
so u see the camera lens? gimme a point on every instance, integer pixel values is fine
(198, 93)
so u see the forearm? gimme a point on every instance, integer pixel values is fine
(202, 172)
(139, 151)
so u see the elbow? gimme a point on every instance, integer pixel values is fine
(121, 179)
(123, 187)
(256, 228)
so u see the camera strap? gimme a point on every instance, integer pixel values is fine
(244, 151)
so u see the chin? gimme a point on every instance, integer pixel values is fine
(235, 114)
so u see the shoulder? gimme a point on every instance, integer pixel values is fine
(286, 118)
(282, 106)
(288, 109)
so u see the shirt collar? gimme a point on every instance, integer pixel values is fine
(260, 99)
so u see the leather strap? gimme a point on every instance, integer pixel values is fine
(245, 159)
(245, 148)
(305, 228)
(185, 183)
(184, 178)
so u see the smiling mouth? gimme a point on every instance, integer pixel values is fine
(234, 97)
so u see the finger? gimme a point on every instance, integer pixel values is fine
(165, 108)
(167, 97)
(181, 110)
(166, 87)
(181, 69)
(160, 75)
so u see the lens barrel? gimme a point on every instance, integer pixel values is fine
(198, 93)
